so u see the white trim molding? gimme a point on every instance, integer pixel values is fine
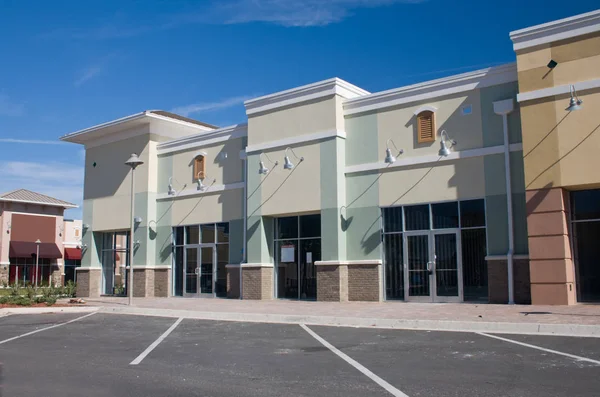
(349, 263)
(210, 189)
(5, 263)
(504, 257)
(294, 96)
(232, 266)
(247, 265)
(558, 90)
(425, 108)
(295, 140)
(566, 28)
(40, 203)
(203, 139)
(433, 89)
(431, 159)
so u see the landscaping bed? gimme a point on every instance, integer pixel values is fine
(32, 296)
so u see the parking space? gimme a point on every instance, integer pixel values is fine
(93, 356)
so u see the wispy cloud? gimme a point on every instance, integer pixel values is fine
(204, 107)
(93, 70)
(30, 141)
(61, 180)
(289, 13)
(9, 107)
(295, 13)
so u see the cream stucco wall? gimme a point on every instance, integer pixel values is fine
(306, 118)
(207, 208)
(72, 233)
(291, 191)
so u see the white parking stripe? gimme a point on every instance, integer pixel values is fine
(391, 389)
(43, 329)
(156, 343)
(578, 358)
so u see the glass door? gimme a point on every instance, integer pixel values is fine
(190, 273)
(207, 270)
(447, 274)
(418, 268)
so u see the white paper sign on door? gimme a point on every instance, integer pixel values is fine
(309, 257)
(287, 253)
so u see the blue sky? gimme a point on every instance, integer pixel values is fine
(67, 65)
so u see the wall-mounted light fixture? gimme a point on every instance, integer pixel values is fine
(389, 157)
(552, 64)
(261, 167)
(85, 226)
(171, 191)
(444, 139)
(202, 186)
(137, 220)
(287, 163)
(574, 102)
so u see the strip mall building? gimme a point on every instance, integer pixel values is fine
(481, 186)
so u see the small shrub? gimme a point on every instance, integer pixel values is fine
(70, 289)
(14, 289)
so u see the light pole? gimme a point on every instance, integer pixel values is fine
(133, 162)
(37, 261)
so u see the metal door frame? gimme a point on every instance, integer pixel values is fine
(198, 269)
(433, 297)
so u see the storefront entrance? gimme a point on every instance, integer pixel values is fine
(432, 273)
(199, 270)
(297, 248)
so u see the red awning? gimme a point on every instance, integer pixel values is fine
(73, 254)
(26, 249)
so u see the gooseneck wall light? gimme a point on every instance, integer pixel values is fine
(574, 102)
(261, 167)
(201, 185)
(444, 140)
(287, 163)
(389, 157)
(171, 191)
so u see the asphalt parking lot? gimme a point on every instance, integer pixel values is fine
(119, 355)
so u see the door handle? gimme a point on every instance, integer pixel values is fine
(430, 267)
(197, 271)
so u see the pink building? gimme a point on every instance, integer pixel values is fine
(35, 239)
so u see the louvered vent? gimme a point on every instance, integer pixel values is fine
(426, 126)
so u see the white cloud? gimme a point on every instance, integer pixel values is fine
(295, 12)
(56, 179)
(30, 141)
(210, 106)
(87, 74)
(10, 108)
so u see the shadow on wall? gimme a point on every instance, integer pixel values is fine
(276, 189)
(563, 156)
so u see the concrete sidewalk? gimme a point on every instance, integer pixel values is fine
(579, 320)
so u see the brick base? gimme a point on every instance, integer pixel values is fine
(151, 282)
(257, 283)
(363, 283)
(328, 283)
(233, 282)
(498, 281)
(88, 282)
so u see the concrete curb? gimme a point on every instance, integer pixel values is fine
(590, 331)
(50, 309)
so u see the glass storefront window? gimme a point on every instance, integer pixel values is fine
(445, 215)
(472, 213)
(417, 217)
(222, 232)
(192, 234)
(310, 226)
(178, 235)
(207, 234)
(392, 219)
(585, 205)
(287, 227)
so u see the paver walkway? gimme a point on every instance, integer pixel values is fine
(568, 315)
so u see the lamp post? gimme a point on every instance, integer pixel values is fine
(37, 261)
(133, 162)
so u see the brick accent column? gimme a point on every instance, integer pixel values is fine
(162, 282)
(233, 282)
(332, 283)
(88, 282)
(551, 259)
(498, 281)
(257, 282)
(364, 283)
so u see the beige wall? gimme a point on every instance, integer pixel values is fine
(400, 125)
(578, 60)
(459, 179)
(72, 232)
(306, 118)
(292, 191)
(208, 208)
(225, 171)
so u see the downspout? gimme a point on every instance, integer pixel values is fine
(504, 108)
(245, 210)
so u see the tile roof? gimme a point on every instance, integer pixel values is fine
(24, 195)
(182, 118)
